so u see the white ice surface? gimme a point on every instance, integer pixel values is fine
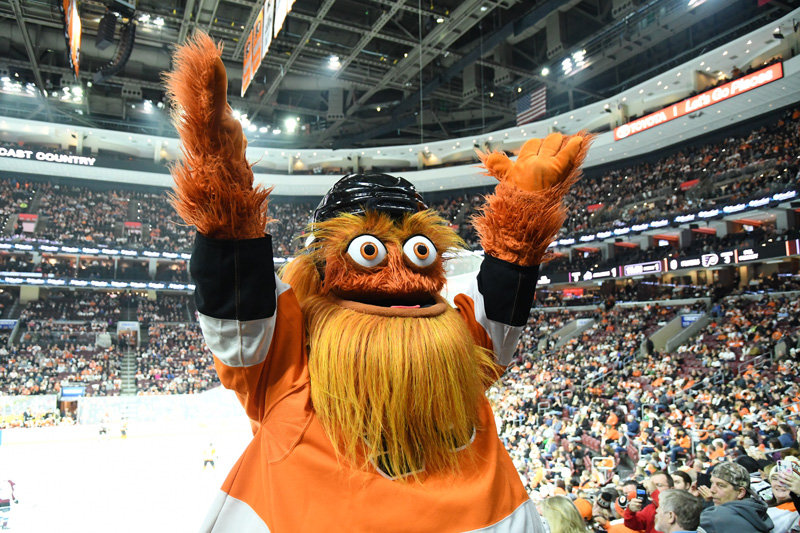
(69, 480)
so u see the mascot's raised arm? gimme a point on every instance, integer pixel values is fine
(364, 388)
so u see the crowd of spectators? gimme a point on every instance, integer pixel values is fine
(175, 360)
(693, 178)
(42, 368)
(717, 398)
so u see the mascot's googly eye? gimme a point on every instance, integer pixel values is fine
(367, 250)
(420, 251)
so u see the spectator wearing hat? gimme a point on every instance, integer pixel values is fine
(584, 507)
(678, 512)
(734, 510)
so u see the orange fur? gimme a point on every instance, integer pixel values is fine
(517, 225)
(407, 389)
(302, 274)
(214, 182)
(396, 277)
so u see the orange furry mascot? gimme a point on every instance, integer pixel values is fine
(364, 388)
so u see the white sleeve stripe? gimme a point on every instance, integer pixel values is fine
(504, 337)
(240, 344)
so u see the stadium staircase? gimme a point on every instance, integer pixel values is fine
(129, 313)
(128, 373)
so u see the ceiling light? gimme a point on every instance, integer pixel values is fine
(276, 131)
(439, 20)
(251, 127)
(519, 89)
(291, 125)
(159, 22)
(484, 8)
(545, 71)
(378, 109)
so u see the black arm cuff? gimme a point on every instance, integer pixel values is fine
(235, 279)
(508, 290)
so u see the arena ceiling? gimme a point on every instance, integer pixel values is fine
(409, 71)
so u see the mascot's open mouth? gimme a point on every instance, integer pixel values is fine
(426, 306)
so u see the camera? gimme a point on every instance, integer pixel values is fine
(641, 493)
(791, 467)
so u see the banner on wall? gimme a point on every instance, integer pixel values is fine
(247, 73)
(265, 28)
(72, 32)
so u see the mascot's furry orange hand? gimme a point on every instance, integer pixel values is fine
(214, 183)
(525, 213)
(364, 388)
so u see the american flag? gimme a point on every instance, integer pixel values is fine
(532, 106)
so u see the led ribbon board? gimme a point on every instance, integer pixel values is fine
(690, 105)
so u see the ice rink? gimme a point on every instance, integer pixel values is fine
(70, 480)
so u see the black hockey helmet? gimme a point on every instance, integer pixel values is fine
(357, 193)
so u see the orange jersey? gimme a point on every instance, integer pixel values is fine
(289, 478)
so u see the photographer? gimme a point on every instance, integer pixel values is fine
(640, 514)
(785, 482)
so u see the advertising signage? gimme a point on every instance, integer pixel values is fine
(640, 269)
(709, 260)
(52, 157)
(733, 257)
(690, 105)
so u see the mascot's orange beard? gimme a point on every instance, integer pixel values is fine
(400, 392)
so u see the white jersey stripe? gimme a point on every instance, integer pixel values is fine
(524, 519)
(228, 514)
(504, 337)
